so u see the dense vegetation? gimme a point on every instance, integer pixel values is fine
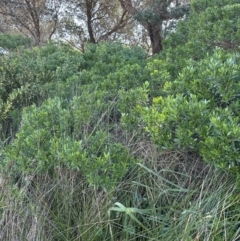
(110, 144)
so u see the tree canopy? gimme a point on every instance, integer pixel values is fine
(79, 21)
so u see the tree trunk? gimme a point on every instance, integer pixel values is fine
(37, 39)
(153, 29)
(155, 37)
(90, 7)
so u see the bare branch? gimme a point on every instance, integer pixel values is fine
(30, 16)
(121, 24)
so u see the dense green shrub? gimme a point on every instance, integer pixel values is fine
(31, 77)
(34, 68)
(12, 42)
(71, 108)
(52, 135)
(195, 104)
(210, 24)
(39, 71)
(201, 110)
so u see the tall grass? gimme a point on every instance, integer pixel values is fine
(168, 197)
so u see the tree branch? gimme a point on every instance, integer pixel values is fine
(121, 24)
(127, 6)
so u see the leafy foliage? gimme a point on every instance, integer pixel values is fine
(209, 25)
(71, 109)
(12, 42)
(197, 106)
(46, 141)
